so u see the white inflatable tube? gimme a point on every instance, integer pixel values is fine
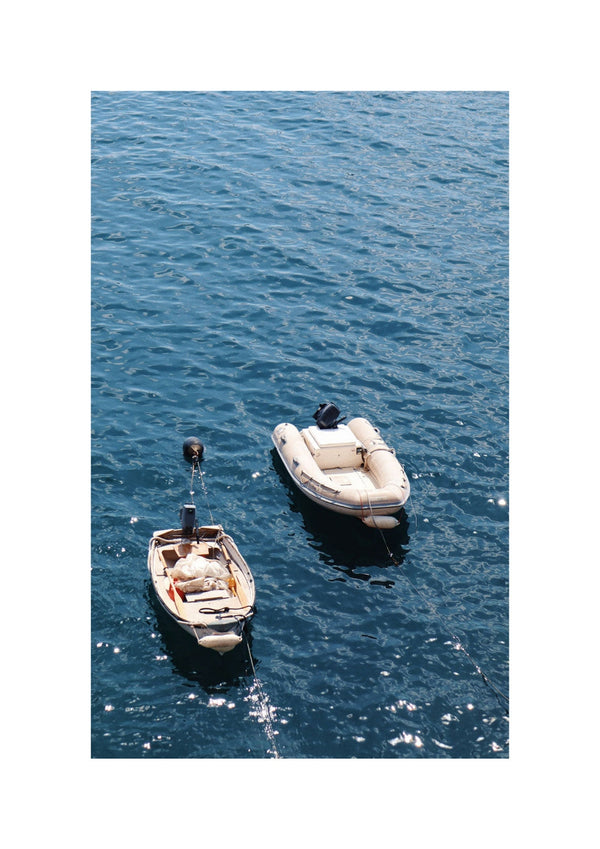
(373, 501)
(383, 522)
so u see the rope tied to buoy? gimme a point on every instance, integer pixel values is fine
(196, 465)
(458, 644)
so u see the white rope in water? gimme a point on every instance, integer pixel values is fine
(457, 642)
(212, 521)
(414, 512)
(265, 708)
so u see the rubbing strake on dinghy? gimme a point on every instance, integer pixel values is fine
(346, 468)
(199, 576)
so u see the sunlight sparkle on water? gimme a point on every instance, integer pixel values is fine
(405, 737)
(402, 703)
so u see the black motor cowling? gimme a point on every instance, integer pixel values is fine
(326, 416)
(187, 516)
(193, 450)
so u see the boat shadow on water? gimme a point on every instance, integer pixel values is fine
(214, 672)
(346, 544)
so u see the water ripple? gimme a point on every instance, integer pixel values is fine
(254, 254)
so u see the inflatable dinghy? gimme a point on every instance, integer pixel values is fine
(346, 468)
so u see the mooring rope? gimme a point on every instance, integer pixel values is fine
(265, 707)
(457, 642)
(194, 466)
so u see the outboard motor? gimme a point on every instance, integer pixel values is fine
(187, 516)
(193, 450)
(326, 416)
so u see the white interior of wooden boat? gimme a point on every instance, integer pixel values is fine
(195, 606)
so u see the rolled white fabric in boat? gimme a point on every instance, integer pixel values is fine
(195, 566)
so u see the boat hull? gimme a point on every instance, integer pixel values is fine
(348, 469)
(216, 616)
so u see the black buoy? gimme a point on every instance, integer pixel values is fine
(193, 450)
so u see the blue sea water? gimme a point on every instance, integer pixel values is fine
(253, 255)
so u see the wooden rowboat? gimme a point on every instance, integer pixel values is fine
(199, 576)
(203, 582)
